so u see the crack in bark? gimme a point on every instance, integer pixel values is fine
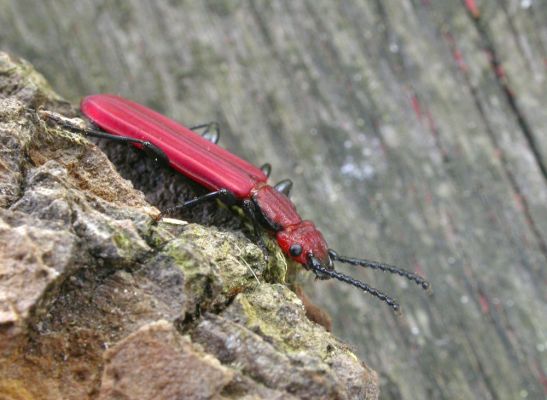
(503, 161)
(503, 82)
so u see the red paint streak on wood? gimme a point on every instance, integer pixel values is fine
(543, 381)
(498, 154)
(416, 105)
(472, 7)
(483, 301)
(431, 122)
(496, 65)
(428, 198)
(457, 55)
(500, 71)
(518, 201)
(422, 112)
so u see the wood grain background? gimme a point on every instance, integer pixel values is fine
(415, 133)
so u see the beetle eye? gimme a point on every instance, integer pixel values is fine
(295, 250)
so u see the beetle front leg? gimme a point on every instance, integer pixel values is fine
(250, 209)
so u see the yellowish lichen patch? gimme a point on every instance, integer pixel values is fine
(14, 389)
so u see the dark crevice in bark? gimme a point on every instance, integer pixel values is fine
(503, 83)
(514, 34)
(508, 172)
(506, 168)
(490, 386)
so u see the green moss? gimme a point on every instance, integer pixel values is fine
(218, 265)
(277, 313)
(122, 242)
(202, 281)
(276, 270)
(26, 75)
(179, 252)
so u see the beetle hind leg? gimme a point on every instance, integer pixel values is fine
(251, 211)
(224, 195)
(151, 149)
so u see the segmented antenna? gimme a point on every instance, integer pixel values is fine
(382, 267)
(316, 266)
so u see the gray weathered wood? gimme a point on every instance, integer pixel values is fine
(404, 143)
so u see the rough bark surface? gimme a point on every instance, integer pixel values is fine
(100, 300)
(414, 132)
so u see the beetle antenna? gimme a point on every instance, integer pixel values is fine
(316, 266)
(382, 267)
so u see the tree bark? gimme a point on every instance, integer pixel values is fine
(412, 131)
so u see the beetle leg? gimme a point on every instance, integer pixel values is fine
(284, 187)
(250, 209)
(266, 168)
(152, 150)
(223, 194)
(211, 131)
(149, 148)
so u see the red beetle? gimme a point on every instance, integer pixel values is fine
(231, 179)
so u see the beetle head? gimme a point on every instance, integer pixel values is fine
(304, 243)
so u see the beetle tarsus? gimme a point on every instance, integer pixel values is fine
(284, 187)
(211, 131)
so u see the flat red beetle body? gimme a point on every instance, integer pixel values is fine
(190, 154)
(209, 165)
(231, 179)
